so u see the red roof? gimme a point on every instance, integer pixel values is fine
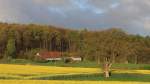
(46, 55)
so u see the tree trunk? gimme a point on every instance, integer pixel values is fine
(136, 59)
(107, 70)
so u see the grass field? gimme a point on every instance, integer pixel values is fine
(35, 74)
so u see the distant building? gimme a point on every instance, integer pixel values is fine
(76, 58)
(50, 56)
(56, 56)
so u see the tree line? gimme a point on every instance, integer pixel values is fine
(20, 41)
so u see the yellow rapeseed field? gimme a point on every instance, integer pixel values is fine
(32, 69)
(65, 82)
(133, 71)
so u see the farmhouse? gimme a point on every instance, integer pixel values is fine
(50, 56)
(56, 56)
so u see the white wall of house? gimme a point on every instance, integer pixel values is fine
(54, 59)
(76, 58)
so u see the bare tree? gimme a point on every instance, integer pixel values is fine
(106, 67)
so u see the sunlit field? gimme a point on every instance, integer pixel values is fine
(30, 71)
(34, 74)
(65, 82)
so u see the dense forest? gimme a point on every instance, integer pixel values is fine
(20, 41)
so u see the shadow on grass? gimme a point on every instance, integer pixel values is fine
(99, 77)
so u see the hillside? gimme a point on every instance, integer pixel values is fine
(18, 41)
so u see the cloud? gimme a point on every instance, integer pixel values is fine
(130, 15)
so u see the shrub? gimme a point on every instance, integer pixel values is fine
(31, 54)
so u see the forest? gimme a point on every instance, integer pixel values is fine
(22, 41)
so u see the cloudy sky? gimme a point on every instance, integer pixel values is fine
(130, 15)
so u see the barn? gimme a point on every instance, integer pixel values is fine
(50, 56)
(56, 56)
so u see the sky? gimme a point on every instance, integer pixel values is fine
(132, 16)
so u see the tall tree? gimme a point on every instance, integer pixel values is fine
(11, 49)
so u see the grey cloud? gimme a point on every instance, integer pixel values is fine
(131, 15)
